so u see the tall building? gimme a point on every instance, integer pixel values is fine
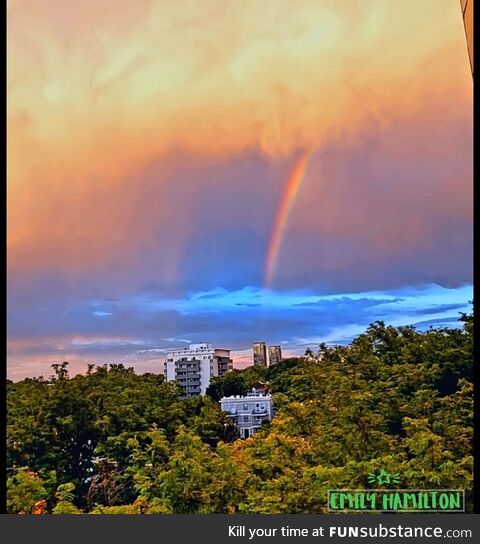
(248, 412)
(274, 355)
(259, 354)
(467, 14)
(193, 367)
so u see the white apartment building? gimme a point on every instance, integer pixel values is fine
(193, 367)
(249, 411)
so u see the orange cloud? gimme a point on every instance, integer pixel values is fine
(105, 86)
(98, 91)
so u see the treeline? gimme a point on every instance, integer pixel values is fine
(112, 441)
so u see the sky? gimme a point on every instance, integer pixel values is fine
(278, 170)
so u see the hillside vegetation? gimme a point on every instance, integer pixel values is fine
(113, 442)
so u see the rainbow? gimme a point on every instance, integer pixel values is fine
(291, 190)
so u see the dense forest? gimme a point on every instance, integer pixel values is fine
(111, 441)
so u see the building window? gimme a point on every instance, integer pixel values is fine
(245, 418)
(245, 406)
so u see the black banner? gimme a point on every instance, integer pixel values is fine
(241, 528)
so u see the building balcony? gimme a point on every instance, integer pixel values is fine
(189, 375)
(187, 384)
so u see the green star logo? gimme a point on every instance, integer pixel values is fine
(383, 478)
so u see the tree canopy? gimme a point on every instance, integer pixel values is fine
(112, 441)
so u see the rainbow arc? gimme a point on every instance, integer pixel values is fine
(292, 187)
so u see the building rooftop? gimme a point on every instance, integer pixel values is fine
(250, 395)
(204, 346)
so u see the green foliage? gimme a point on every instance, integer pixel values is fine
(114, 442)
(65, 497)
(24, 489)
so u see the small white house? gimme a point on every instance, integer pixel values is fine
(248, 412)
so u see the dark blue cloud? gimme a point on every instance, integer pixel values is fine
(441, 308)
(447, 321)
